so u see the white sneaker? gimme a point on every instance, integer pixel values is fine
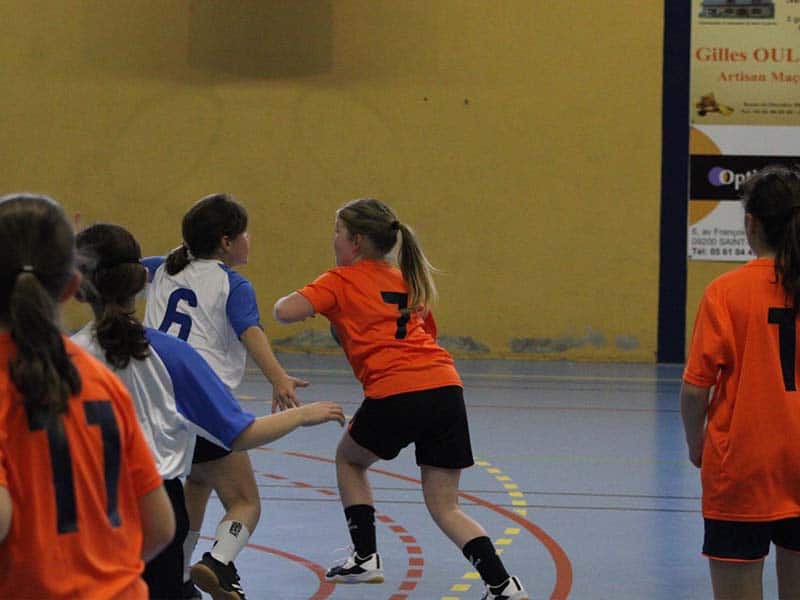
(511, 589)
(357, 570)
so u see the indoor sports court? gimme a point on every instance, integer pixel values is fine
(582, 480)
(573, 173)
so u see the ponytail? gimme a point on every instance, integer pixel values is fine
(121, 336)
(417, 271)
(113, 275)
(177, 260)
(377, 222)
(772, 197)
(787, 261)
(42, 371)
(35, 268)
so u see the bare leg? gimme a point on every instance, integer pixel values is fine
(197, 495)
(232, 478)
(787, 566)
(736, 580)
(440, 489)
(352, 462)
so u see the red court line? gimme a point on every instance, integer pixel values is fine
(412, 574)
(325, 588)
(561, 561)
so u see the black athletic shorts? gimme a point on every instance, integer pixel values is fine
(205, 451)
(434, 420)
(749, 541)
(164, 573)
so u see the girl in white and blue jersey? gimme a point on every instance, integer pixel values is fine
(195, 294)
(175, 392)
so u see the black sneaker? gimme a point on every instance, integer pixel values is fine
(217, 579)
(357, 570)
(190, 592)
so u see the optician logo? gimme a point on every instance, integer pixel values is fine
(719, 176)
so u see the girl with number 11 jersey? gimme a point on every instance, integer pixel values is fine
(81, 502)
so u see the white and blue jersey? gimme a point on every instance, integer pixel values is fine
(176, 395)
(208, 305)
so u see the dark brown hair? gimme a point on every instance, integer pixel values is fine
(204, 226)
(772, 196)
(109, 260)
(36, 265)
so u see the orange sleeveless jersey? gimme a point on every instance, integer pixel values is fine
(745, 344)
(389, 353)
(61, 478)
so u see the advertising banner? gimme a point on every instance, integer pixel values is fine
(745, 112)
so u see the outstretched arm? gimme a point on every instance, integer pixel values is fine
(283, 384)
(271, 427)
(292, 308)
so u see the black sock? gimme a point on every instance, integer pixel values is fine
(481, 553)
(361, 523)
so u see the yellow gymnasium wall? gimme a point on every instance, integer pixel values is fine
(520, 139)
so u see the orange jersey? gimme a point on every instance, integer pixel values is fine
(744, 343)
(74, 482)
(390, 352)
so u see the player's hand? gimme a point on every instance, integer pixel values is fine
(696, 456)
(284, 393)
(322, 412)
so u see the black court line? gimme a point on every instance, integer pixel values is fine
(502, 492)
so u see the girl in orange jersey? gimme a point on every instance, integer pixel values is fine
(381, 316)
(744, 436)
(81, 502)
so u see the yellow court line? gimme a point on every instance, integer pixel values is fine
(501, 543)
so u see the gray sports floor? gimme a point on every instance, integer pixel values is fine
(582, 482)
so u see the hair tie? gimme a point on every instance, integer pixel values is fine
(395, 225)
(189, 255)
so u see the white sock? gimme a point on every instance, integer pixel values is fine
(231, 537)
(189, 544)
